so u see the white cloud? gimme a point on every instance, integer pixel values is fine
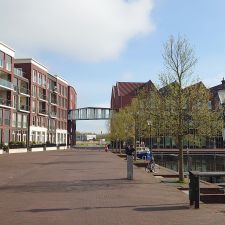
(91, 30)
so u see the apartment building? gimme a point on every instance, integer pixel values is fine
(6, 92)
(71, 127)
(21, 106)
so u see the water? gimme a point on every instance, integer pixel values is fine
(203, 163)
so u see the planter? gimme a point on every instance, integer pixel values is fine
(62, 147)
(39, 149)
(17, 150)
(51, 148)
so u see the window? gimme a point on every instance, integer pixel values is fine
(39, 121)
(33, 136)
(1, 59)
(18, 135)
(34, 91)
(24, 138)
(0, 117)
(8, 60)
(14, 101)
(33, 106)
(38, 137)
(34, 121)
(7, 117)
(43, 137)
(13, 136)
(34, 76)
(14, 120)
(19, 120)
(209, 105)
(24, 121)
(6, 136)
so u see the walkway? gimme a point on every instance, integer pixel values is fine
(88, 188)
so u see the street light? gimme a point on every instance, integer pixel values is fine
(149, 122)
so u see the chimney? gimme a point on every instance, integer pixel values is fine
(223, 82)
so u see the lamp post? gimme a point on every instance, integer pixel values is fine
(149, 122)
(221, 94)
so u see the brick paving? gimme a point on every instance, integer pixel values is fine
(90, 188)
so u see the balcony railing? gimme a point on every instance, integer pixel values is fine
(53, 101)
(19, 72)
(53, 114)
(5, 102)
(42, 96)
(24, 107)
(43, 111)
(6, 83)
(1, 63)
(24, 90)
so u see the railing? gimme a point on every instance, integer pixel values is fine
(53, 101)
(5, 102)
(6, 83)
(24, 107)
(24, 90)
(1, 63)
(42, 96)
(53, 114)
(43, 111)
(194, 185)
(19, 72)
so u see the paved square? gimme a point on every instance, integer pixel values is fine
(89, 188)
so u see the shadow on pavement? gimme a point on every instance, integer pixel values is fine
(141, 208)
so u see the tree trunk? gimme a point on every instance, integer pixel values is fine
(120, 147)
(181, 159)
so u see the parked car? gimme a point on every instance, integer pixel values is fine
(144, 153)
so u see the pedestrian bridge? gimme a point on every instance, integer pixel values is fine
(90, 113)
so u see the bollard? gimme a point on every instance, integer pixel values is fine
(130, 167)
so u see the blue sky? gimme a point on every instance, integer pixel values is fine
(140, 46)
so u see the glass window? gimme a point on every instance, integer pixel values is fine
(33, 106)
(33, 136)
(39, 121)
(15, 101)
(8, 60)
(34, 121)
(1, 59)
(7, 117)
(6, 136)
(34, 76)
(24, 121)
(19, 120)
(0, 117)
(14, 120)
(19, 135)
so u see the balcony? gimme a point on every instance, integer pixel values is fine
(24, 108)
(53, 114)
(53, 101)
(24, 90)
(5, 102)
(43, 112)
(19, 72)
(42, 97)
(4, 84)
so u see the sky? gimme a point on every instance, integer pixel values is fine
(95, 43)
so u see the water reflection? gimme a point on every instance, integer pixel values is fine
(204, 163)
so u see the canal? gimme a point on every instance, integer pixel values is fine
(204, 163)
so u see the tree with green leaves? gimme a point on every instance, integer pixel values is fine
(185, 106)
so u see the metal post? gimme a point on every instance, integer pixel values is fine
(197, 191)
(130, 167)
(191, 183)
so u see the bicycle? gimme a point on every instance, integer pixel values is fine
(150, 167)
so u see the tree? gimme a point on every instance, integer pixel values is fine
(185, 106)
